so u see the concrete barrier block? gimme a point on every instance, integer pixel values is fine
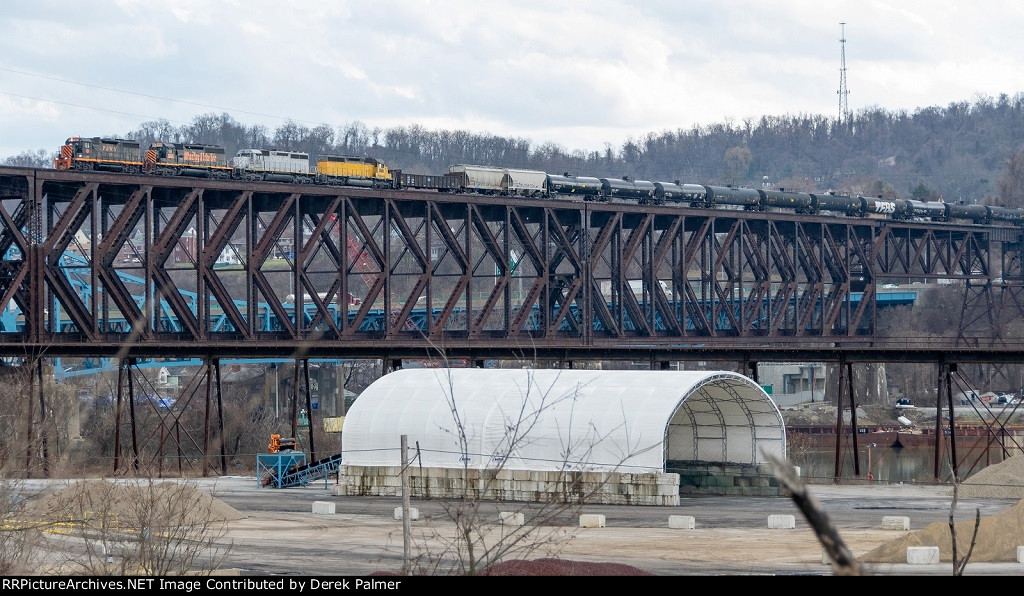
(338, 490)
(414, 513)
(895, 522)
(323, 507)
(1020, 554)
(510, 518)
(592, 520)
(781, 522)
(681, 522)
(668, 491)
(922, 555)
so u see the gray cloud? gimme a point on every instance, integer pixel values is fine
(576, 73)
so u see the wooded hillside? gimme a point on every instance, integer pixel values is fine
(969, 151)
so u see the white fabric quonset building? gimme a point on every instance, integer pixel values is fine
(524, 434)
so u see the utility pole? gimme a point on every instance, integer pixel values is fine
(406, 529)
(844, 108)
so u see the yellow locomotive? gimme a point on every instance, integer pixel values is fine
(353, 171)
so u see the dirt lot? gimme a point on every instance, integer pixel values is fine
(731, 534)
(276, 532)
(279, 534)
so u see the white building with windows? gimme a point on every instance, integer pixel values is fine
(793, 383)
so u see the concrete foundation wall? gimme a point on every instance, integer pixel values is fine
(657, 488)
(715, 478)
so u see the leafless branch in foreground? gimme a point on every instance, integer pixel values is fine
(959, 565)
(843, 561)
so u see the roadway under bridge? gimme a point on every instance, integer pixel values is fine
(135, 266)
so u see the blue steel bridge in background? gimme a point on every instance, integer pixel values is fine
(374, 321)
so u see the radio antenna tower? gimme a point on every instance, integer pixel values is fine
(844, 108)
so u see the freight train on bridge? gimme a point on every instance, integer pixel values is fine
(210, 161)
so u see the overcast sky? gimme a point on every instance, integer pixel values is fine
(576, 73)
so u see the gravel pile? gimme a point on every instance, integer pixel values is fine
(1004, 480)
(998, 535)
(129, 501)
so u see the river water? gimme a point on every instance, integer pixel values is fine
(894, 465)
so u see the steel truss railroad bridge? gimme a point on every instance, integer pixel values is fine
(132, 266)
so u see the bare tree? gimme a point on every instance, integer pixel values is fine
(737, 162)
(18, 536)
(139, 526)
(960, 565)
(40, 158)
(1011, 183)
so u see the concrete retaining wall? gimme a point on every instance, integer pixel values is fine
(657, 488)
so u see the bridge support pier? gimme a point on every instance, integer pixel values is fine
(169, 415)
(206, 417)
(303, 365)
(749, 368)
(212, 385)
(117, 416)
(845, 388)
(945, 390)
(125, 379)
(220, 421)
(309, 408)
(35, 388)
(131, 413)
(31, 398)
(294, 411)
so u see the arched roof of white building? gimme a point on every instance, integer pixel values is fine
(556, 419)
